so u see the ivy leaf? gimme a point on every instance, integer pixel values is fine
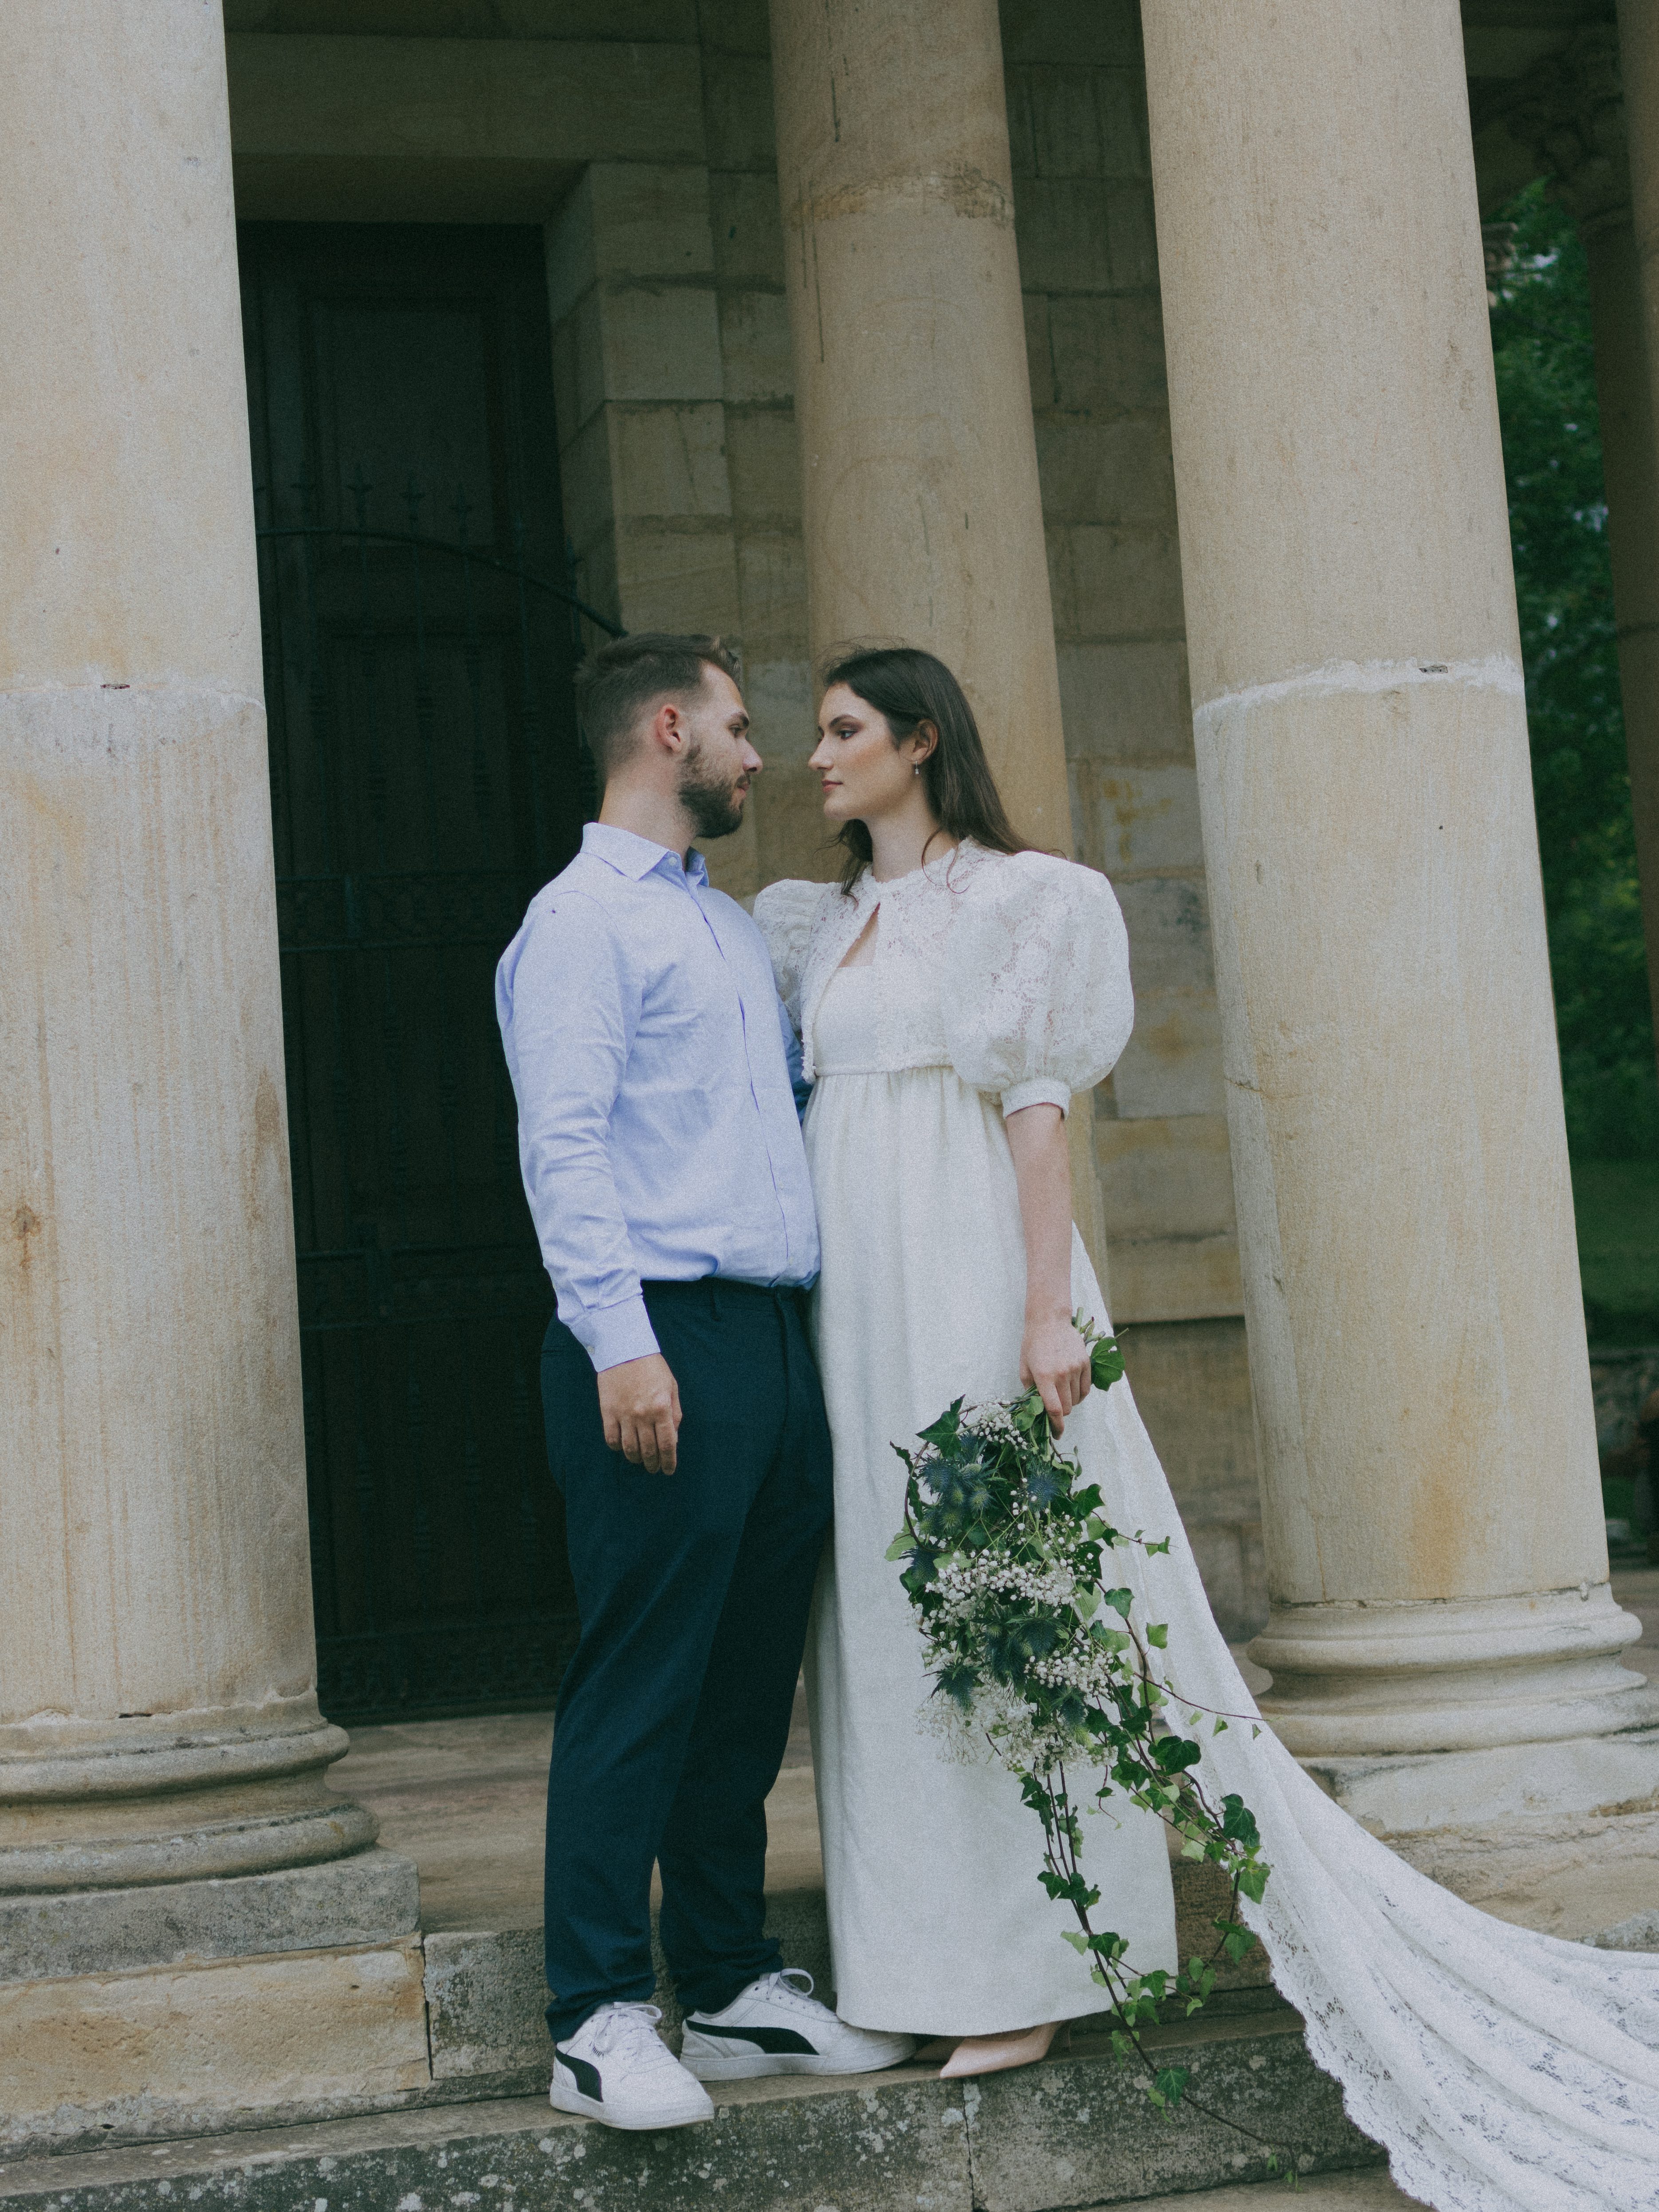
(1162, 1545)
(1169, 2086)
(946, 1429)
(1175, 1753)
(1105, 1363)
(901, 1547)
(1238, 1822)
(1119, 1600)
(1157, 1635)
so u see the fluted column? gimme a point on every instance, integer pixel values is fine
(158, 1710)
(923, 512)
(1443, 1641)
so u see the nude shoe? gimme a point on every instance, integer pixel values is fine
(996, 2054)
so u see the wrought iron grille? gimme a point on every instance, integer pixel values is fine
(427, 779)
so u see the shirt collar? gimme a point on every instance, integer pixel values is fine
(637, 857)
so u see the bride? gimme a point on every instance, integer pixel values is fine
(951, 992)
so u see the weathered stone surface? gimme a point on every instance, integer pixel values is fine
(1081, 2131)
(484, 1996)
(1125, 703)
(1172, 1064)
(910, 377)
(1369, 2189)
(765, 459)
(486, 1990)
(175, 2053)
(1076, 2129)
(1590, 1879)
(862, 2149)
(306, 98)
(158, 1718)
(373, 1898)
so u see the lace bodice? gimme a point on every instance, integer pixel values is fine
(1013, 970)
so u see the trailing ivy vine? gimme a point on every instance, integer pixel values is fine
(1041, 1661)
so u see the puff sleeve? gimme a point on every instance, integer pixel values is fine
(785, 913)
(1037, 1003)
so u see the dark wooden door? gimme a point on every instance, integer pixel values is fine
(426, 778)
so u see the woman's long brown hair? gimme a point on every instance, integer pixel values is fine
(908, 687)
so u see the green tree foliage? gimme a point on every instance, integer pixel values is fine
(1545, 362)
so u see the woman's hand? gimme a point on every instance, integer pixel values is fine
(1054, 1356)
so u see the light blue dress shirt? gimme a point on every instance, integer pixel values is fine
(655, 1071)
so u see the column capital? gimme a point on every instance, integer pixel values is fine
(1570, 110)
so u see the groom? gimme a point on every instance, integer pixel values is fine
(654, 1071)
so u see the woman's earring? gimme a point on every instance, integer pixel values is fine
(916, 770)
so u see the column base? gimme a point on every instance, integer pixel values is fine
(1396, 1679)
(1496, 1744)
(373, 1898)
(1599, 1776)
(189, 1797)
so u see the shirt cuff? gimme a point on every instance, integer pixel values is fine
(612, 1334)
(1042, 1092)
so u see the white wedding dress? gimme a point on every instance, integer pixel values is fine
(1501, 2070)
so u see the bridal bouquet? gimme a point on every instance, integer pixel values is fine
(1040, 1665)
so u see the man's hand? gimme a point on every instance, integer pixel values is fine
(640, 1404)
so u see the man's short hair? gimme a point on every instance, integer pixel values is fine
(627, 679)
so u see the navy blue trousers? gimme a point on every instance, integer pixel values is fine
(693, 1590)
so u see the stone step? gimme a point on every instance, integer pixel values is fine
(485, 1992)
(173, 2043)
(1076, 2129)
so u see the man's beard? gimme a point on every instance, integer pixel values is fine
(716, 808)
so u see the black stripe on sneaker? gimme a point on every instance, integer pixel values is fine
(776, 2040)
(586, 2076)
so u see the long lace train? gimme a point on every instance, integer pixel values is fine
(1498, 2067)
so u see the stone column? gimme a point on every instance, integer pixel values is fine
(158, 1708)
(923, 513)
(1573, 114)
(923, 516)
(1443, 1641)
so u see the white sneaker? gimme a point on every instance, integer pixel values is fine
(777, 2026)
(616, 2068)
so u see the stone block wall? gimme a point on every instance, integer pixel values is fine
(763, 456)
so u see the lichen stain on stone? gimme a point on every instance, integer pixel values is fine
(269, 1152)
(1131, 810)
(25, 1223)
(1166, 1041)
(966, 192)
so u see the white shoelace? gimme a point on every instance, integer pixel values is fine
(628, 2029)
(791, 1987)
